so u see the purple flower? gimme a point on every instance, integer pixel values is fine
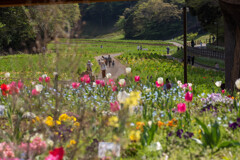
(179, 133)
(238, 120)
(170, 134)
(233, 125)
(188, 135)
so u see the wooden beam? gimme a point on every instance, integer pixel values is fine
(12, 3)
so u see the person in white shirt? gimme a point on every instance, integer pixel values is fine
(89, 68)
(103, 69)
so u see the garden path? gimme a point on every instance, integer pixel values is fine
(117, 70)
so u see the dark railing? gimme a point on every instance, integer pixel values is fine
(206, 53)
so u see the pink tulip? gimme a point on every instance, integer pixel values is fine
(98, 82)
(35, 92)
(87, 80)
(20, 84)
(114, 88)
(75, 85)
(114, 107)
(111, 82)
(40, 79)
(188, 97)
(102, 83)
(159, 85)
(190, 88)
(47, 79)
(181, 107)
(184, 86)
(223, 91)
(137, 78)
(82, 79)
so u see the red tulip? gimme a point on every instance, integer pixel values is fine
(181, 107)
(20, 84)
(87, 80)
(75, 85)
(56, 154)
(137, 78)
(35, 92)
(111, 82)
(223, 91)
(188, 97)
(98, 82)
(40, 79)
(5, 89)
(114, 107)
(114, 88)
(82, 79)
(47, 79)
(102, 83)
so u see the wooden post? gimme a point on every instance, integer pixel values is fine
(185, 41)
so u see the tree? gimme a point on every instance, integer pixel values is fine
(152, 19)
(231, 12)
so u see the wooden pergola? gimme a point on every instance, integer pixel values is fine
(11, 3)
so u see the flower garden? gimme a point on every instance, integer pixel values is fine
(132, 117)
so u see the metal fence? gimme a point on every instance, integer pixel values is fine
(206, 53)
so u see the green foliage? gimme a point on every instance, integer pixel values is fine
(152, 20)
(21, 27)
(212, 138)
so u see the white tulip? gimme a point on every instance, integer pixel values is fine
(94, 84)
(179, 82)
(122, 96)
(55, 73)
(29, 115)
(237, 83)
(7, 75)
(109, 75)
(39, 87)
(44, 76)
(149, 123)
(148, 90)
(122, 82)
(49, 142)
(218, 83)
(33, 83)
(128, 70)
(160, 80)
(190, 84)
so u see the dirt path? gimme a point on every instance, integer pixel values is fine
(117, 70)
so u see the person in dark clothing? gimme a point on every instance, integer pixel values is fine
(189, 59)
(193, 60)
(178, 48)
(113, 63)
(192, 43)
(109, 60)
(223, 86)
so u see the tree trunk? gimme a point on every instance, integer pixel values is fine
(231, 12)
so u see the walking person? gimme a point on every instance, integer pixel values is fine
(192, 43)
(201, 44)
(103, 69)
(193, 60)
(89, 68)
(113, 63)
(217, 66)
(109, 60)
(168, 50)
(189, 59)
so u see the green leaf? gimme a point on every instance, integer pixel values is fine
(228, 144)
